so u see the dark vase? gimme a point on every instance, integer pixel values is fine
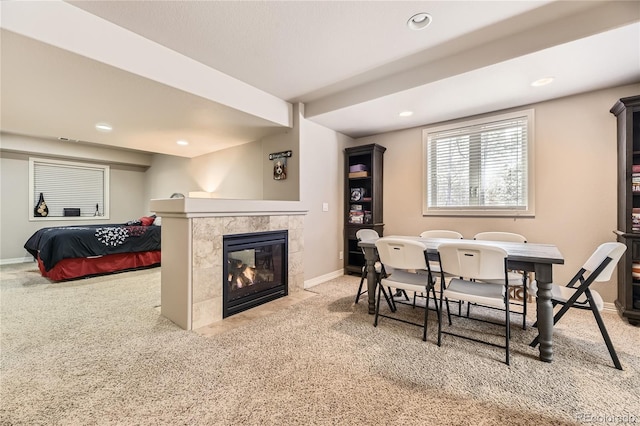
(41, 209)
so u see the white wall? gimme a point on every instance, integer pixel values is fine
(240, 172)
(322, 181)
(576, 182)
(127, 188)
(167, 175)
(287, 189)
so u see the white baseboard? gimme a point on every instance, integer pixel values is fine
(323, 278)
(25, 259)
(609, 307)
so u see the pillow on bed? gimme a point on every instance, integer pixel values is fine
(147, 220)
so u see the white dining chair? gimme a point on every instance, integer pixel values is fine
(477, 264)
(441, 233)
(517, 279)
(366, 234)
(578, 294)
(435, 265)
(406, 257)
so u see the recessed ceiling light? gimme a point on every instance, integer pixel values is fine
(183, 143)
(542, 82)
(406, 113)
(104, 127)
(419, 21)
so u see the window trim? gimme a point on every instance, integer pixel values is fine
(106, 180)
(473, 210)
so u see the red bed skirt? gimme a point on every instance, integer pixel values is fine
(80, 267)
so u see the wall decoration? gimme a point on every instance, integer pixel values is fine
(280, 164)
(41, 209)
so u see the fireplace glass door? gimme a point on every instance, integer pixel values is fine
(255, 270)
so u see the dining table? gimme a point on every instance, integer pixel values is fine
(529, 257)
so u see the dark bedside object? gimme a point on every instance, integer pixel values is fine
(71, 212)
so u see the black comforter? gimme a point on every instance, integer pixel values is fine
(61, 242)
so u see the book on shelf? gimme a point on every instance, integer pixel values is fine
(635, 220)
(357, 168)
(635, 168)
(356, 216)
(367, 216)
(356, 207)
(358, 174)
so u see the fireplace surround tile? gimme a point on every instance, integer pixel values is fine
(207, 258)
(206, 312)
(296, 240)
(205, 284)
(278, 222)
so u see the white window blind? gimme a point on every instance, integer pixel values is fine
(482, 167)
(70, 185)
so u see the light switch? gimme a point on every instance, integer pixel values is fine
(325, 207)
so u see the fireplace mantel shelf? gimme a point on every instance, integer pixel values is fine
(215, 207)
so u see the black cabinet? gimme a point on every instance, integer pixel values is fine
(627, 111)
(363, 199)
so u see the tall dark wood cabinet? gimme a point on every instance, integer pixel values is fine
(363, 199)
(627, 111)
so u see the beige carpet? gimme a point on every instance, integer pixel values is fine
(97, 352)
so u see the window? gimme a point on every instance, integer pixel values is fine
(480, 168)
(69, 189)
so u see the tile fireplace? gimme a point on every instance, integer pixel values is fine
(195, 269)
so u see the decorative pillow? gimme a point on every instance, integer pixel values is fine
(157, 221)
(147, 220)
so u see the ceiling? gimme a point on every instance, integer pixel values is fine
(223, 73)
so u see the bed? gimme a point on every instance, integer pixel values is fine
(68, 252)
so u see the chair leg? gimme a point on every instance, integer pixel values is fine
(524, 304)
(603, 331)
(380, 290)
(426, 316)
(435, 301)
(390, 301)
(440, 319)
(359, 293)
(507, 329)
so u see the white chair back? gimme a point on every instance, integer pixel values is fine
(366, 234)
(509, 237)
(401, 253)
(473, 260)
(612, 250)
(442, 233)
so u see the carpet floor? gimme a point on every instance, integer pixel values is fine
(97, 352)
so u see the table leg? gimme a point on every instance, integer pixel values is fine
(544, 311)
(370, 258)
